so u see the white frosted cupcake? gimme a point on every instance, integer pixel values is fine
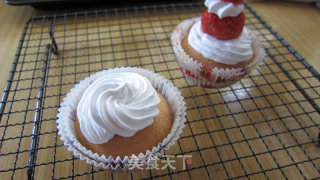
(119, 114)
(216, 49)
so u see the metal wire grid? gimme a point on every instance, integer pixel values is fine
(264, 127)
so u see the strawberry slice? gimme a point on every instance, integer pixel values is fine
(237, 2)
(223, 29)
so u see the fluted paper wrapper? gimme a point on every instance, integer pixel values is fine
(66, 119)
(211, 77)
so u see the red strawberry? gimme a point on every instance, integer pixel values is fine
(234, 1)
(222, 29)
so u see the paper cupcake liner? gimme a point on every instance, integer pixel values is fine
(211, 77)
(66, 119)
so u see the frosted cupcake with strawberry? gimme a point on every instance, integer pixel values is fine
(216, 49)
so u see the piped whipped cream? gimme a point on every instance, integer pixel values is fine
(118, 103)
(224, 51)
(223, 9)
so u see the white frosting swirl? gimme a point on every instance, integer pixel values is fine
(118, 103)
(224, 51)
(223, 9)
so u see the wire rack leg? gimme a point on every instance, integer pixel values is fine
(50, 48)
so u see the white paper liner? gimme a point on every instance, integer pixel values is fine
(66, 118)
(211, 77)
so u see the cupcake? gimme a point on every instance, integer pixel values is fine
(119, 114)
(216, 49)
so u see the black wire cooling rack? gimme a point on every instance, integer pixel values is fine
(263, 127)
